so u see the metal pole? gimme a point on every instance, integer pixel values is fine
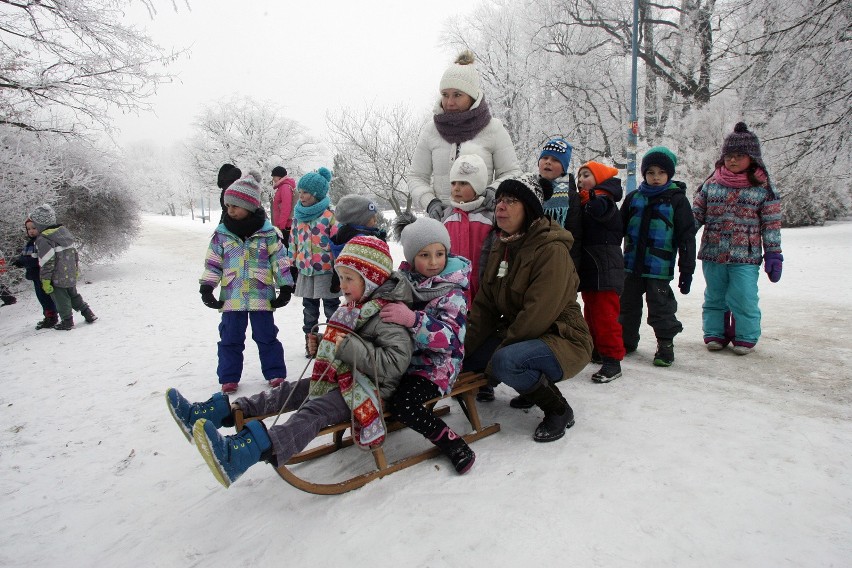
(633, 131)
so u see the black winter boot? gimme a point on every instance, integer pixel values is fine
(664, 357)
(88, 315)
(558, 414)
(521, 402)
(610, 370)
(455, 448)
(47, 322)
(65, 324)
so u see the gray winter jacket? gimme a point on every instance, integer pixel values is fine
(389, 344)
(57, 256)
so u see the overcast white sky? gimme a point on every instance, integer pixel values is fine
(310, 57)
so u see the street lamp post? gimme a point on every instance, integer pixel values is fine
(633, 131)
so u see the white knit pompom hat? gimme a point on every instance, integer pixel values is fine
(462, 75)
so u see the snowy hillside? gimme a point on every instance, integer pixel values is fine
(719, 460)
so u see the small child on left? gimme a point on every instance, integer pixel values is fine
(248, 260)
(59, 262)
(29, 262)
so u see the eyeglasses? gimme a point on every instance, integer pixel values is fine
(507, 200)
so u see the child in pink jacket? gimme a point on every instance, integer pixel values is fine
(471, 220)
(282, 202)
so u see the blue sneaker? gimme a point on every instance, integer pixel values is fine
(186, 413)
(228, 457)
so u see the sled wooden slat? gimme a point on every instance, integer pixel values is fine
(464, 391)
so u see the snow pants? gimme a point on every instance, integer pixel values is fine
(48, 307)
(731, 287)
(311, 309)
(662, 307)
(67, 299)
(601, 309)
(232, 343)
(303, 426)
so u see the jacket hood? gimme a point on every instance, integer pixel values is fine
(59, 236)
(288, 181)
(404, 285)
(613, 187)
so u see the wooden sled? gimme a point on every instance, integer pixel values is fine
(464, 392)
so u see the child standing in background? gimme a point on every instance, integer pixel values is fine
(470, 220)
(247, 259)
(59, 267)
(601, 267)
(310, 250)
(356, 215)
(741, 214)
(282, 202)
(433, 284)
(564, 205)
(658, 226)
(29, 262)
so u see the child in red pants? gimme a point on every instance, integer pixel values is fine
(601, 267)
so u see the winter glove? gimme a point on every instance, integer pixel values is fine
(772, 262)
(294, 272)
(207, 297)
(48, 287)
(684, 283)
(19, 262)
(596, 205)
(399, 313)
(435, 209)
(283, 298)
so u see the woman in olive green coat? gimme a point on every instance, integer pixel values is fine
(525, 327)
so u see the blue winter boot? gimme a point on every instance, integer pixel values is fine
(230, 456)
(217, 410)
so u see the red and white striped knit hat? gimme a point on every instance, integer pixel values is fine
(370, 257)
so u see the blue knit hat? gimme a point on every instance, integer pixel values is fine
(316, 183)
(560, 149)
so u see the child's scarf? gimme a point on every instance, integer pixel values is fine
(357, 389)
(558, 205)
(724, 176)
(649, 190)
(307, 214)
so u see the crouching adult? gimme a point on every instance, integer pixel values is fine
(525, 327)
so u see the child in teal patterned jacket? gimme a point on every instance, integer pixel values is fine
(247, 259)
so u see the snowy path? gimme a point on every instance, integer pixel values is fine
(718, 461)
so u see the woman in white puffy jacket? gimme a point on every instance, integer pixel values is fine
(462, 124)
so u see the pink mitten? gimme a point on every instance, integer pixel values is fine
(398, 313)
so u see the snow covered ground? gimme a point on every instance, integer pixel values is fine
(718, 461)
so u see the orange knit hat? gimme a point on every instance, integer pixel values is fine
(602, 172)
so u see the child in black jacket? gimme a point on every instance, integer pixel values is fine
(29, 262)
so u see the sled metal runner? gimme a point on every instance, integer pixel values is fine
(464, 392)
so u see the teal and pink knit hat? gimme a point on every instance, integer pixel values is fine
(370, 257)
(245, 192)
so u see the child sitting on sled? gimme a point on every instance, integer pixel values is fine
(434, 285)
(357, 349)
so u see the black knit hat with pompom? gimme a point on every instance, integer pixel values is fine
(743, 141)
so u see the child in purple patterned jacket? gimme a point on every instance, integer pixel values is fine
(434, 286)
(247, 260)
